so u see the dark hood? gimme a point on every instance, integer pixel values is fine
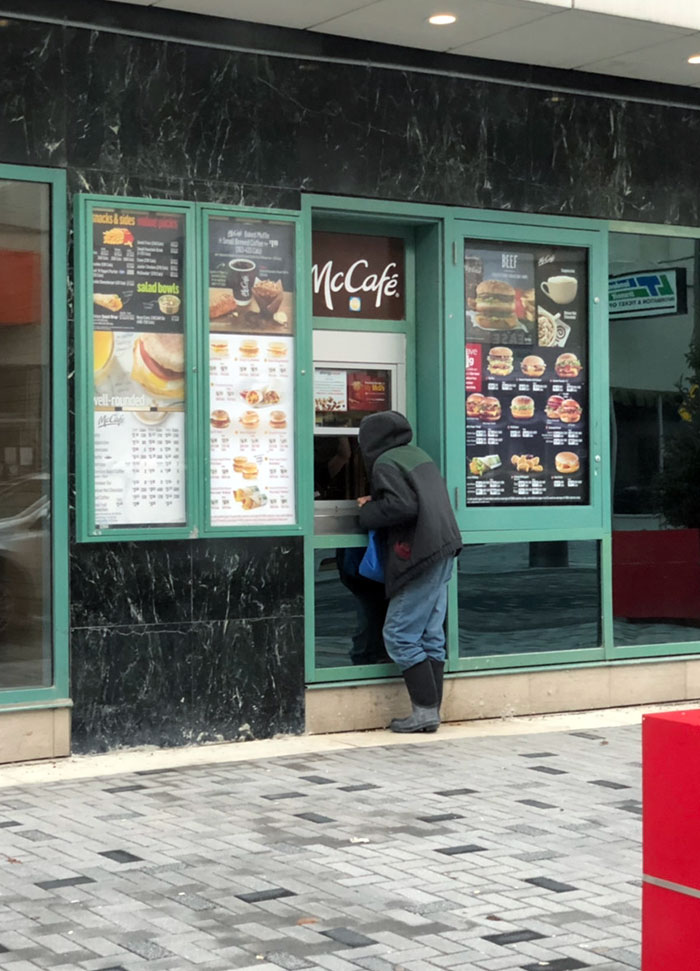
(382, 431)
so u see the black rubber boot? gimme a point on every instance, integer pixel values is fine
(438, 672)
(422, 691)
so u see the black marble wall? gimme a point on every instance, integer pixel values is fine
(178, 642)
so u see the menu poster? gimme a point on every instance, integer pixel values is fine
(342, 397)
(330, 389)
(251, 276)
(251, 430)
(138, 307)
(527, 433)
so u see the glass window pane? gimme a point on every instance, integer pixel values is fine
(655, 437)
(349, 613)
(515, 598)
(25, 415)
(339, 469)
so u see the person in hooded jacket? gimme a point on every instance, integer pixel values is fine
(420, 538)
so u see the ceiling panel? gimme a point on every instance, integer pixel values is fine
(680, 13)
(404, 22)
(548, 42)
(283, 13)
(667, 61)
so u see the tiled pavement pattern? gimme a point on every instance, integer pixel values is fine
(496, 853)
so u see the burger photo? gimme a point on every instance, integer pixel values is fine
(554, 403)
(219, 418)
(570, 411)
(490, 409)
(159, 364)
(566, 462)
(522, 406)
(278, 419)
(568, 366)
(533, 366)
(249, 419)
(219, 348)
(249, 348)
(500, 361)
(474, 403)
(495, 305)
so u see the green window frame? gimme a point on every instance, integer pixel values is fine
(504, 525)
(57, 694)
(367, 217)
(546, 519)
(302, 344)
(197, 432)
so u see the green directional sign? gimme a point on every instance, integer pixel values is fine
(648, 293)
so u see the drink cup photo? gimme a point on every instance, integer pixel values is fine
(241, 277)
(561, 289)
(103, 350)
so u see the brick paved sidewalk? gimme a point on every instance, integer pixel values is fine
(496, 853)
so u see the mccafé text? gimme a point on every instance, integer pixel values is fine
(384, 284)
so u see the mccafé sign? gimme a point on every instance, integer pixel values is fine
(358, 276)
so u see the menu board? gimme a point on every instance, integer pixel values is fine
(138, 313)
(343, 396)
(527, 432)
(251, 372)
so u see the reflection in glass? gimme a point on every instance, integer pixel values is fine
(655, 435)
(25, 562)
(349, 613)
(339, 470)
(516, 598)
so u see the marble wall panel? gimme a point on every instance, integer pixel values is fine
(131, 583)
(149, 107)
(247, 578)
(179, 684)
(32, 94)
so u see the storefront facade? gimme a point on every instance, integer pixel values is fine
(196, 541)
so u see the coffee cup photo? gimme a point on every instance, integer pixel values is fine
(241, 277)
(561, 289)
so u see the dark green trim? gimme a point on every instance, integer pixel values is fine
(48, 696)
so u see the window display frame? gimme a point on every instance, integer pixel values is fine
(86, 526)
(196, 425)
(546, 519)
(301, 375)
(57, 694)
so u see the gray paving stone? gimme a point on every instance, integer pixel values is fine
(234, 867)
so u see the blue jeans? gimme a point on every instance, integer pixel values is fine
(413, 629)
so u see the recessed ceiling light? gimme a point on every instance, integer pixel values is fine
(695, 59)
(442, 19)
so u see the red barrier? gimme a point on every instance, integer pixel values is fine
(671, 841)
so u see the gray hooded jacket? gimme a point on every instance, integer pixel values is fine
(409, 503)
